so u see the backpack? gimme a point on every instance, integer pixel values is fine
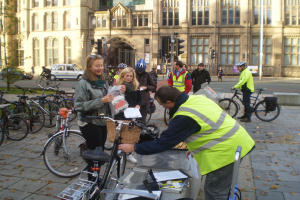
(271, 103)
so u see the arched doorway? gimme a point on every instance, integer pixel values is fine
(120, 51)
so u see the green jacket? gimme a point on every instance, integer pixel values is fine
(88, 101)
(246, 80)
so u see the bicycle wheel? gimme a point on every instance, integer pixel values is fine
(37, 118)
(63, 158)
(17, 128)
(264, 115)
(229, 106)
(114, 170)
(50, 117)
(166, 116)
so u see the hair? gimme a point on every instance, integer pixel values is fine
(167, 93)
(200, 65)
(89, 61)
(134, 80)
(179, 63)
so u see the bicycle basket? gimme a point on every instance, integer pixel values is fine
(271, 103)
(127, 135)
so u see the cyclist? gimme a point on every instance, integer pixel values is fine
(146, 86)
(46, 73)
(180, 78)
(246, 85)
(195, 120)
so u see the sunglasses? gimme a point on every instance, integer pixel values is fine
(95, 56)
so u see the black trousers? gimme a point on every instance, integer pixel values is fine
(246, 102)
(95, 135)
(143, 111)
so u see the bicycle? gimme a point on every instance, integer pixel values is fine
(260, 108)
(116, 162)
(62, 151)
(14, 127)
(47, 79)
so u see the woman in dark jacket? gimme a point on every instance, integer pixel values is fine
(146, 85)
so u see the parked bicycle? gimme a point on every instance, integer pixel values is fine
(62, 151)
(266, 110)
(14, 127)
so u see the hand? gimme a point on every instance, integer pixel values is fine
(137, 106)
(123, 89)
(127, 148)
(233, 89)
(143, 88)
(107, 98)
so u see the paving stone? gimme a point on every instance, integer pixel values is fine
(52, 189)
(28, 185)
(6, 159)
(39, 197)
(6, 181)
(13, 194)
(265, 174)
(291, 196)
(282, 186)
(288, 175)
(245, 180)
(30, 162)
(262, 195)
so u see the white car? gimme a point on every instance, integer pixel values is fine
(66, 71)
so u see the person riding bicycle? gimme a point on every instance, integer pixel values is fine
(196, 121)
(46, 73)
(246, 85)
(146, 86)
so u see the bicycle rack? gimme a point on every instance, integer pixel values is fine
(79, 188)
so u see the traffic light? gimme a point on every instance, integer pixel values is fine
(99, 46)
(178, 47)
(213, 54)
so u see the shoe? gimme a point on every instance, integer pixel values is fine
(246, 119)
(131, 159)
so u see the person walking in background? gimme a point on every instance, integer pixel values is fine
(220, 74)
(200, 76)
(153, 75)
(180, 78)
(146, 86)
(246, 85)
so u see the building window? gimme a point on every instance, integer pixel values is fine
(67, 20)
(199, 50)
(20, 53)
(54, 21)
(48, 22)
(147, 41)
(51, 51)
(292, 51)
(145, 20)
(35, 22)
(103, 22)
(230, 12)
(230, 50)
(292, 12)
(200, 12)
(140, 20)
(170, 12)
(135, 20)
(67, 52)
(67, 2)
(54, 3)
(35, 3)
(267, 18)
(48, 2)
(267, 51)
(119, 18)
(36, 52)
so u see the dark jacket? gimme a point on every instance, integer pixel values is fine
(180, 128)
(199, 77)
(153, 75)
(145, 80)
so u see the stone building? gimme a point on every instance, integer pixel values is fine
(62, 31)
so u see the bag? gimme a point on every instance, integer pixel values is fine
(271, 103)
(152, 106)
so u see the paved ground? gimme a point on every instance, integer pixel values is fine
(271, 172)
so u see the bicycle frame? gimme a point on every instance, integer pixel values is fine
(254, 99)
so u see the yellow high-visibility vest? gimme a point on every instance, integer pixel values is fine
(180, 82)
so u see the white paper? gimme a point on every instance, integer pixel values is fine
(129, 196)
(169, 175)
(194, 167)
(132, 113)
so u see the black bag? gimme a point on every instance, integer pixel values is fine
(271, 103)
(152, 106)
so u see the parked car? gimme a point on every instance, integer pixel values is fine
(66, 71)
(13, 73)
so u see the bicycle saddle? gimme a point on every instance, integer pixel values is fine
(96, 155)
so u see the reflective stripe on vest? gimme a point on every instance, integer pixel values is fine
(179, 83)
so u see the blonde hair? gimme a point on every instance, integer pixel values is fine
(89, 62)
(135, 82)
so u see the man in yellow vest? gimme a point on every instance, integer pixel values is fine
(180, 78)
(211, 135)
(246, 85)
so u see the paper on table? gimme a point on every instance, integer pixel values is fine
(169, 175)
(129, 196)
(132, 113)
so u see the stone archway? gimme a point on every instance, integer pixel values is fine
(120, 51)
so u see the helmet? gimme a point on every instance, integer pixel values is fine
(241, 64)
(122, 66)
(140, 65)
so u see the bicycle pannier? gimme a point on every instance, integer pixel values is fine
(271, 103)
